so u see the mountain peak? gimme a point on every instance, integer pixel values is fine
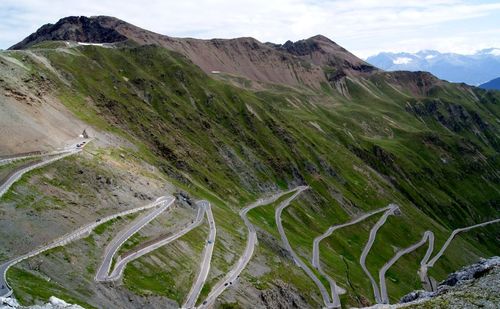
(245, 56)
(97, 29)
(322, 38)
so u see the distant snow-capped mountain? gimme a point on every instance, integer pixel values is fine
(474, 69)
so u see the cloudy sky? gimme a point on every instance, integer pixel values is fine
(363, 26)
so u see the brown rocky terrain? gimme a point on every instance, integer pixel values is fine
(294, 64)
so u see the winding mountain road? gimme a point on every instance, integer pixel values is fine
(373, 233)
(234, 273)
(324, 292)
(121, 263)
(124, 235)
(4, 187)
(428, 236)
(424, 265)
(6, 291)
(195, 291)
(315, 261)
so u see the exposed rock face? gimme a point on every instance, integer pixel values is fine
(299, 63)
(74, 28)
(283, 296)
(474, 286)
(473, 271)
(323, 52)
(419, 83)
(308, 62)
(460, 280)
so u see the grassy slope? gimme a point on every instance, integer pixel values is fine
(200, 132)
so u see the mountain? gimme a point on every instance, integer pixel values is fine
(474, 69)
(493, 84)
(272, 143)
(244, 57)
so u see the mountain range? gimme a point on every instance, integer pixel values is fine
(493, 84)
(475, 69)
(233, 173)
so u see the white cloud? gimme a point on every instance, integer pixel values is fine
(364, 26)
(402, 60)
(495, 52)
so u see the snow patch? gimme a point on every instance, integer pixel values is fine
(90, 44)
(402, 60)
(430, 57)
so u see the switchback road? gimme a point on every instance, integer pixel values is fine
(424, 265)
(124, 235)
(428, 236)
(234, 273)
(373, 233)
(323, 291)
(315, 257)
(121, 263)
(195, 291)
(6, 291)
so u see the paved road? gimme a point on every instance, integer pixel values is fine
(315, 257)
(5, 290)
(54, 156)
(4, 187)
(424, 265)
(124, 235)
(373, 233)
(38, 154)
(120, 264)
(234, 273)
(324, 292)
(195, 291)
(428, 236)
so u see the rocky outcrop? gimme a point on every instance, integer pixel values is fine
(74, 28)
(283, 295)
(474, 286)
(460, 280)
(293, 63)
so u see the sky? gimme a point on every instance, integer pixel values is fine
(365, 27)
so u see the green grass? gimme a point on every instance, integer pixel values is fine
(379, 146)
(30, 288)
(177, 272)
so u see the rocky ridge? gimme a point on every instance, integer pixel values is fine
(474, 286)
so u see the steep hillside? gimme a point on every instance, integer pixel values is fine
(360, 138)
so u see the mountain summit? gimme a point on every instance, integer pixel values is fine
(292, 63)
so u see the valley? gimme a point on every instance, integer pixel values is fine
(290, 178)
